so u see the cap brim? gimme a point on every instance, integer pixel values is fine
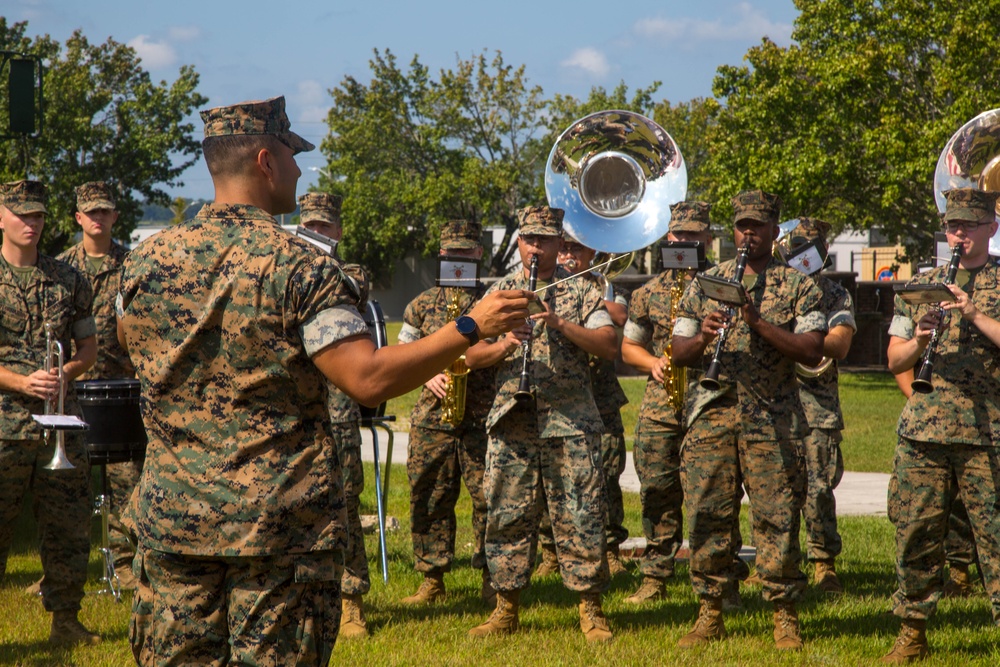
(459, 245)
(296, 143)
(539, 230)
(95, 205)
(969, 214)
(27, 208)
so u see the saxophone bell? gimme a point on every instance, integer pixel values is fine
(457, 374)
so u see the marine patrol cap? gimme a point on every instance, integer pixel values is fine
(320, 207)
(95, 195)
(970, 204)
(809, 229)
(255, 117)
(757, 205)
(689, 216)
(540, 221)
(461, 235)
(23, 197)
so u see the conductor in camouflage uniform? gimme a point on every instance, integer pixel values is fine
(752, 428)
(948, 437)
(820, 395)
(660, 426)
(38, 291)
(544, 451)
(443, 453)
(320, 212)
(232, 324)
(99, 257)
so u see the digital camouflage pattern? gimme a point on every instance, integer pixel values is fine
(756, 205)
(222, 314)
(23, 197)
(541, 220)
(947, 448)
(461, 235)
(356, 579)
(95, 195)
(441, 455)
(56, 293)
(254, 118)
(690, 216)
(970, 204)
(821, 395)
(320, 206)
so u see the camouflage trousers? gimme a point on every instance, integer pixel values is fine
(524, 475)
(62, 508)
(193, 610)
(657, 457)
(824, 470)
(613, 455)
(122, 479)
(356, 580)
(959, 546)
(926, 478)
(437, 462)
(714, 462)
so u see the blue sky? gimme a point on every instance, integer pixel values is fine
(301, 49)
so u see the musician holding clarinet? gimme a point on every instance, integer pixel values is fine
(948, 435)
(544, 433)
(749, 428)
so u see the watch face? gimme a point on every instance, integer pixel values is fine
(466, 325)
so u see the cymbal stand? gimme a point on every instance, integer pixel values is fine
(381, 486)
(102, 508)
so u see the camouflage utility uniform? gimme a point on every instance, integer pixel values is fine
(51, 292)
(947, 448)
(548, 453)
(820, 398)
(750, 431)
(240, 511)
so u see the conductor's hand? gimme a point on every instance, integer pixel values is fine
(41, 384)
(438, 385)
(501, 311)
(713, 324)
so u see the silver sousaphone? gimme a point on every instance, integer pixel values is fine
(971, 159)
(615, 174)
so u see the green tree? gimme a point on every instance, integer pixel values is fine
(848, 122)
(104, 119)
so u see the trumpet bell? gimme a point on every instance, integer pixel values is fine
(971, 159)
(616, 174)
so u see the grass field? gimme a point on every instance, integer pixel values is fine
(850, 629)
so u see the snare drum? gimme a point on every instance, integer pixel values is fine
(111, 408)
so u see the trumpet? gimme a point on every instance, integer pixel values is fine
(710, 380)
(56, 406)
(524, 392)
(922, 383)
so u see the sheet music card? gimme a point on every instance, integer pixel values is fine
(457, 272)
(723, 290)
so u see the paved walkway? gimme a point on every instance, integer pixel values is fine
(859, 493)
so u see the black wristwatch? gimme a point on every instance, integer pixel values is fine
(468, 328)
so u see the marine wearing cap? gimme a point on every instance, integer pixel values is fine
(540, 221)
(757, 205)
(255, 117)
(23, 197)
(321, 207)
(95, 196)
(461, 235)
(690, 216)
(970, 204)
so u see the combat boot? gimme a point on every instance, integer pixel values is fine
(615, 564)
(67, 630)
(352, 617)
(35, 589)
(431, 590)
(959, 584)
(650, 589)
(487, 592)
(503, 620)
(825, 577)
(549, 564)
(911, 644)
(709, 626)
(786, 627)
(754, 579)
(593, 622)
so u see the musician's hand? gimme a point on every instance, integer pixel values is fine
(501, 311)
(962, 303)
(549, 318)
(926, 326)
(713, 324)
(438, 385)
(520, 334)
(41, 384)
(658, 369)
(750, 314)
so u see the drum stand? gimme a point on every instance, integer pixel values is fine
(102, 508)
(381, 486)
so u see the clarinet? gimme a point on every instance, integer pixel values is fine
(524, 393)
(922, 383)
(710, 380)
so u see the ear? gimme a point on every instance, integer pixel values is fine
(78, 217)
(265, 163)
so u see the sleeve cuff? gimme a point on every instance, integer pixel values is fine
(330, 326)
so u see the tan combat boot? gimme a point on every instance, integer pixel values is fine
(549, 564)
(592, 620)
(786, 627)
(67, 630)
(825, 577)
(35, 589)
(352, 618)
(615, 564)
(487, 592)
(754, 579)
(959, 584)
(911, 644)
(431, 590)
(650, 589)
(709, 626)
(503, 620)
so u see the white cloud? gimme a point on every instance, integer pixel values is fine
(744, 23)
(312, 101)
(589, 60)
(154, 54)
(184, 33)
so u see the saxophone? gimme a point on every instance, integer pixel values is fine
(674, 377)
(453, 403)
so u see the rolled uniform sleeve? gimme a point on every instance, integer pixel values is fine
(597, 319)
(685, 327)
(331, 325)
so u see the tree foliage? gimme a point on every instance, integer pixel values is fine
(848, 122)
(104, 119)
